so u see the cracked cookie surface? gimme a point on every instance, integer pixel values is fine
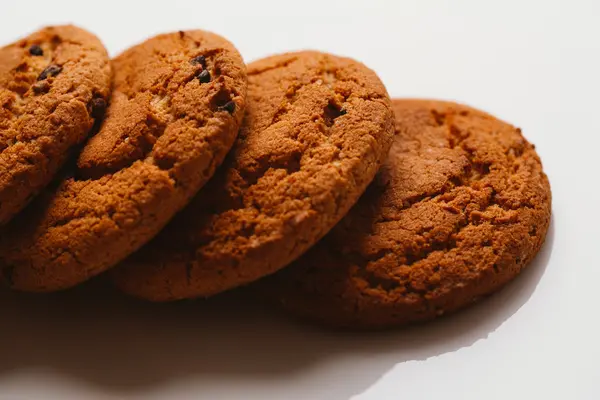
(54, 84)
(175, 110)
(316, 130)
(460, 208)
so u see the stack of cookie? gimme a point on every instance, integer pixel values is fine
(187, 173)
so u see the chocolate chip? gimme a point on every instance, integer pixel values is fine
(229, 107)
(36, 50)
(199, 60)
(51, 70)
(98, 107)
(204, 76)
(41, 87)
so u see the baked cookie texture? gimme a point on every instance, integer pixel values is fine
(316, 130)
(54, 84)
(175, 110)
(460, 207)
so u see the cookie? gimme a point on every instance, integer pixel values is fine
(175, 110)
(54, 85)
(458, 210)
(316, 130)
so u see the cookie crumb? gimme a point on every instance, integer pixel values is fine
(41, 87)
(229, 107)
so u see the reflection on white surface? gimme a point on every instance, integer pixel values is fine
(94, 341)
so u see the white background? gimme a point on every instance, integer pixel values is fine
(533, 63)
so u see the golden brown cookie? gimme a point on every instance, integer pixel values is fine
(316, 131)
(459, 209)
(53, 85)
(175, 111)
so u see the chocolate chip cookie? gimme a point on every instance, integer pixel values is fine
(54, 85)
(458, 210)
(316, 130)
(175, 110)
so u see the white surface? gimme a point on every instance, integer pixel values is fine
(533, 63)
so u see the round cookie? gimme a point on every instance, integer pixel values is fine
(316, 130)
(459, 209)
(54, 85)
(175, 110)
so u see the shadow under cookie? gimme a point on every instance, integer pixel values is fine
(95, 342)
